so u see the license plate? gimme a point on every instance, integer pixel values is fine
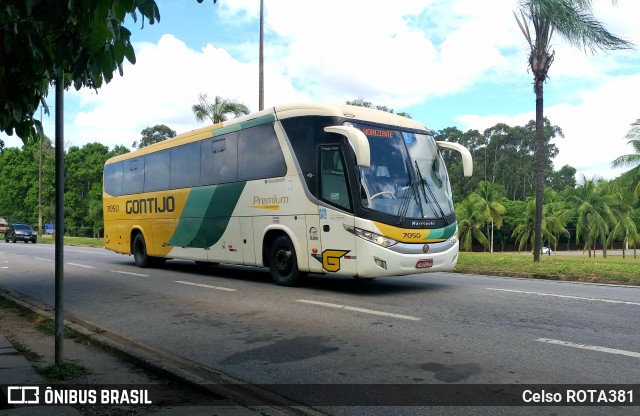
(424, 264)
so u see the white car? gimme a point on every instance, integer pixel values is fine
(546, 250)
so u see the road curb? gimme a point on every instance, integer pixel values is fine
(169, 366)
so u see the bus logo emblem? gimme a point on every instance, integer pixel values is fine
(331, 259)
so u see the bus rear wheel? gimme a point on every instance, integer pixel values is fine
(283, 263)
(140, 251)
(140, 256)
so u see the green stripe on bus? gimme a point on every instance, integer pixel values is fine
(227, 129)
(443, 233)
(258, 121)
(269, 118)
(206, 215)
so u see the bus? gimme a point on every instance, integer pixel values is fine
(297, 189)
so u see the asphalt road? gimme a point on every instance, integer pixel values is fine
(431, 328)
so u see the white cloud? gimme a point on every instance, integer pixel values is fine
(162, 87)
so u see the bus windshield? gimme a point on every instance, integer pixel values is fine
(407, 176)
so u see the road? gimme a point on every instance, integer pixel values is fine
(431, 328)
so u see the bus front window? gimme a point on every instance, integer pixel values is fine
(407, 177)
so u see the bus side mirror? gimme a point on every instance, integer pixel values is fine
(358, 142)
(467, 160)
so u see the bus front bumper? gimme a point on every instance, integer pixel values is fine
(377, 261)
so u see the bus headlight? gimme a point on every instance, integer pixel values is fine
(454, 238)
(370, 236)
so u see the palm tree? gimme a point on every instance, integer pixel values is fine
(625, 227)
(633, 159)
(552, 226)
(218, 110)
(488, 194)
(574, 21)
(556, 216)
(591, 206)
(471, 220)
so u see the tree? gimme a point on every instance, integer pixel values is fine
(487, 196)
(471, 220)
(624, 227)
(563, 179)
(502, 154)
(361, 102)
(218, 110)
(574, 21)
(83, 188)
(154, 134)
(591, 206)
(79, 43)
(631, 159)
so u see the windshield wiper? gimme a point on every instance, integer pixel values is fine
(406, 201)
(425, 187)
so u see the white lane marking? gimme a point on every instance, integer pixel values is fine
(567, 297)
(81, 265)
(129, 273)
(590, 347)
(207, 286)
(352, 308)
(41, 259)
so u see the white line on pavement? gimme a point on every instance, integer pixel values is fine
(352, 308)
(129, 273)
(566, 296)
(207, 286)
(40, 258)
(81, 265)
(590, 347)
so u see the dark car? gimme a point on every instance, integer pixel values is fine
(20, 232)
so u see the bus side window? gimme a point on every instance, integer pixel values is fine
(219, 159)
(133, 182)
(333, 181)
(259, 153)
(185, 166)
(113, 174)
(156, 174)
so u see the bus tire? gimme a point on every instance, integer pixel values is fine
(283, 263)
(140, 252)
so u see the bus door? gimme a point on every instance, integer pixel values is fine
(338, 244)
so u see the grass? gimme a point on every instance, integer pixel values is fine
(613, 269)
(74, 241)
(63, 371)
(47, 327)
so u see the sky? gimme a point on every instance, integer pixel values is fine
(448, 63)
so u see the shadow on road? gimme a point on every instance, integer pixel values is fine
(382, 286)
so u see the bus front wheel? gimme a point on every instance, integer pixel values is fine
(283, 263)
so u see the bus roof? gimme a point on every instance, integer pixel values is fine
(279, 112)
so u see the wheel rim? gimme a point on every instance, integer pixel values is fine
(284, 262)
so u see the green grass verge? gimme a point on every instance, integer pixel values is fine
(74, 241)
(613, 269)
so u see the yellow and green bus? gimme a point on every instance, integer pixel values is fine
(298, 189)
